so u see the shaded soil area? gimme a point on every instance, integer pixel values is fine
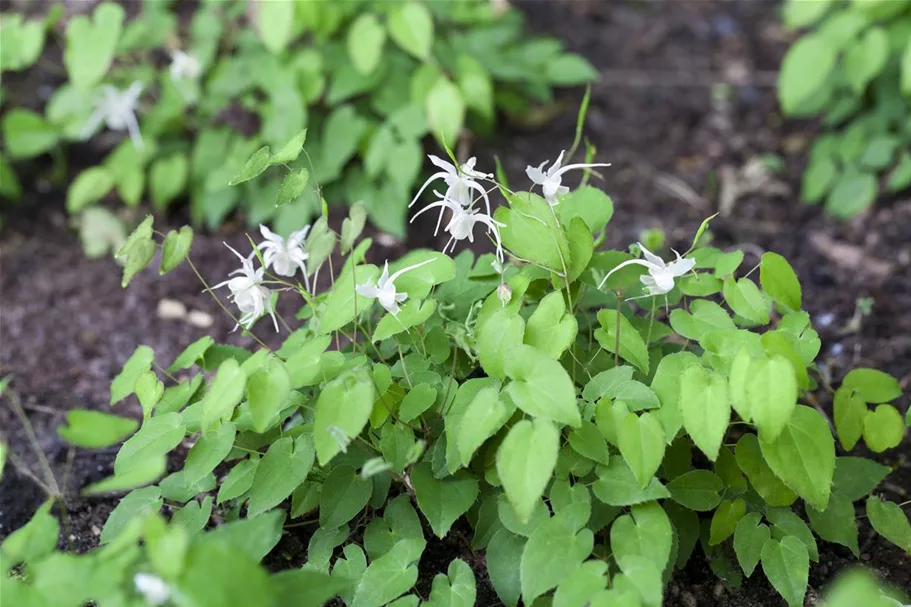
(685, 112)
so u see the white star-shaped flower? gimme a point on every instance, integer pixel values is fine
(118, 111)
(384, 289)
(551, 181)
(185, 66)
(460, 182)
(248, 293)
(660, 277)
(285, 256)
(461, 224)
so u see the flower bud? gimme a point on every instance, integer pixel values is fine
(504, 293)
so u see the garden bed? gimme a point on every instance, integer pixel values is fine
(685, 103)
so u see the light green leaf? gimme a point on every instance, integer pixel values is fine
(238, 481)
(588, 441)
(582, 586)
(33, 541)
(418, 400)
(771, 391)
(705, 407)
(553, 551)
(569, 69)
(818, 179)
(443, 501)
(645, 532)
(698, 490)
(390, 576)
(413, 313)
(26, 134)
(90, 44)
(503, 552)
(591, 204)
(218, 574)
(856, 477)
(135, 504)
(850, 411)
(285, 466)
(803, 456)
(142, 473)
(541, 386)
(497, 340)
(476, 85)
(291, 150)
(532, 232)
(787, 566)
(209, 451)
(837, 523)
(745, 299)
(779, 280)
(225, 391)
(94, 429)
(804, 71)
(342, 410)
(666, 385)
(411, 27)
(750, 536)
(257, 163)
(275, 25)
(617, 486)
(906, 71)
(484, 416)
(890, 521)
(525, 463)
(149, 390)
(550, 328)
(366, 37)
(343, 302)
(632, 346)
(175, 249)
(268, 389)
(457, 590)
(853, 193)
(772, 490)
(157, 437)
(353, 226)
(445, 109)
(343, 496)
(865, 58)
(873, 386)
(89, 186)
(168, 179)
(725, 520)
(884, 428)
(292, 187)
(641, 441)
(305, 588)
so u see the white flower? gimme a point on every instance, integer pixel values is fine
(384, 290)
(551, 181)
(460, 182)
(461, 224)
(504, 293)
(248, 292)
(660, 277)
(118, 111)
(285, 256)
(152, 588)
(184, 65)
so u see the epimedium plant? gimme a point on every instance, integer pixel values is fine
(852, 68)
(369, 79)
(588, 418)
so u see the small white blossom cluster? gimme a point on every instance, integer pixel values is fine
(249, 291)
(661, 275)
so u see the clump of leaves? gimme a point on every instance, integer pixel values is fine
(369, 80)
(593, 417)
(853, 70)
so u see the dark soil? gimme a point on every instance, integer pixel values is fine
(686, 100)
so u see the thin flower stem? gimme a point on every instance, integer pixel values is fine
(13, 399)
(164, 372)
(651, 322)
(404, 366)
(617, 337)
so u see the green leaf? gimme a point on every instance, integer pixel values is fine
(456, 589)
(476, 85)
(94, 429)
(642, 442)
(818, 179)
(136, 252)
(750, 536)
(541, 386)
(343, 496)
(591, 204)
(532, 232)
(268, 390)
(725, 520)
(389, 576)
(445, 109)
(443, 501)
(191, 354)
(497, 339)
(217, 574)
(745, 299)
(906, 71)
(26, 134)
(836, 523)
(525, 463)
(632, 346)
(90, 45)
(353, 225)
(208, 452)
(342, 410)
(772, 490)
(292, 187)
(285, 466)
(553, 551)
(291, 150)
(256, 164)
(224, 393)
(588, 441)
(617, 486)
(275, 24)
(550, 328)
(503, 552)
(705, 407)
(175, 249)
(366, 37)
(413, 313)
(890, 521)
(771, 391)
(849, 411)
(411, 27)
(305, 588)
(157, 437)
(804, 14)
(804, 71)
(149, 390)
(89, 186)
(698, 490)
(569, 69)
(168, 179)
(865, 58)
(779, 280)
(582, 585)
(803, 456)
(856, 477)
(785, 522)
(418, 400)
(238, 481)
(142, 473)
(343, 302)
(787, 566)
(873, 386)
(33, 541)
(853, 193)
(484, 416)
(135, 504)
(666, 385)
(645, 532)
(884, 428)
